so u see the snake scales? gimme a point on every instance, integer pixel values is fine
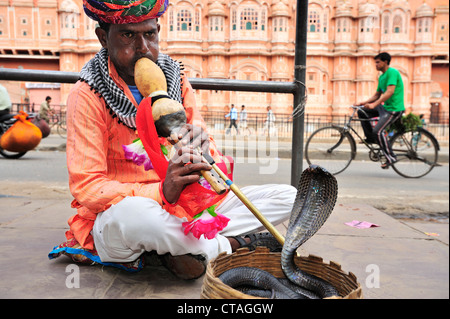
(315, 200)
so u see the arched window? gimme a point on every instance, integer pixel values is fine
(171, 23)
(197, 20)
(397, 24)
(216, 23)
(233, 19)
(263, 19)
(280, 29)
(249, 19)
(314, 21)
(386, 24)
(184, 20)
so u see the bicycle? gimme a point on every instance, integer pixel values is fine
(59, 123)
(334, 147)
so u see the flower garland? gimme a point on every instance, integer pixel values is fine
(136, 152)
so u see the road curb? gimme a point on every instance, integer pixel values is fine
(252, 152)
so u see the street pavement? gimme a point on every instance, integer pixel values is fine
(399, 259)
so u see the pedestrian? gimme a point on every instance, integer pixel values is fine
(5, 101)
(233, 115)
(243, 121)
(126, 211)
(45, 110)
(387, 104)
(243, 117)
(269, 125)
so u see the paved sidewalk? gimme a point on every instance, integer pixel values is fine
(410, 259)
(411, 264)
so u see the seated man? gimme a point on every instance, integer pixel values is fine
(123, 209)
(387, 103)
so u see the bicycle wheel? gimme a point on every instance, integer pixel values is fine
(11, 155)
(62, 130)
(331, 148)
(417, 153)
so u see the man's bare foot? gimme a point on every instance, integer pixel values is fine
(235, 245)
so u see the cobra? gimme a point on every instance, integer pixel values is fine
(315, 201)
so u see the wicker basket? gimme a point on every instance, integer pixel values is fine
(214, 288)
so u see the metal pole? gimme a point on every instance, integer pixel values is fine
(298, 125)
(206, 84)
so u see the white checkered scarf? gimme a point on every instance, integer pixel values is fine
(96, 74)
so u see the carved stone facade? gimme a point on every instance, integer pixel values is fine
(254, 40)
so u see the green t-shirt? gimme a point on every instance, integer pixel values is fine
(392, 77)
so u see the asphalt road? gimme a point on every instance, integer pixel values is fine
(44, 173)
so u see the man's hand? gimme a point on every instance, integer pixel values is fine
(185, 166)
(370, 105)
(193, 136)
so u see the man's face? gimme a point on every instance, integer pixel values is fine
(127, 43)
(381, 65)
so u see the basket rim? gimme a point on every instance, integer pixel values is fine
(212, 282)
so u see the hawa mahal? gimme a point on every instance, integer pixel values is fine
(251, 40)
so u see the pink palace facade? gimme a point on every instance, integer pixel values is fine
(252, 40)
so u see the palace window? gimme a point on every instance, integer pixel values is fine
(314, 21)
(249, 19)
(233, 19)
(263, 20)
(386, 24)
(442, 32)
(397, 24)
(343, 25)
(216, 23)
(423, 33)
(171, 23)
(280, 29)
(184, 20)
(197, 20)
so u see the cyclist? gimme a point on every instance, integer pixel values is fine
(387, 104)
(45, 111)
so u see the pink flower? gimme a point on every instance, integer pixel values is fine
(136, 152)
(207, 224)
(204, 183)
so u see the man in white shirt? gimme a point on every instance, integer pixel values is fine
(5, 101)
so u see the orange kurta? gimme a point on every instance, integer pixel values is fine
(99, 174)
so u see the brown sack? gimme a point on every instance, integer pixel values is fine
(22, 136)
(43, 126)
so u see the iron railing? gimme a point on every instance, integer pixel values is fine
(256, 123)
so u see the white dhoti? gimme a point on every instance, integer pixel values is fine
(137, 224)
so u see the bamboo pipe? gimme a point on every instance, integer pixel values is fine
(267, 224)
